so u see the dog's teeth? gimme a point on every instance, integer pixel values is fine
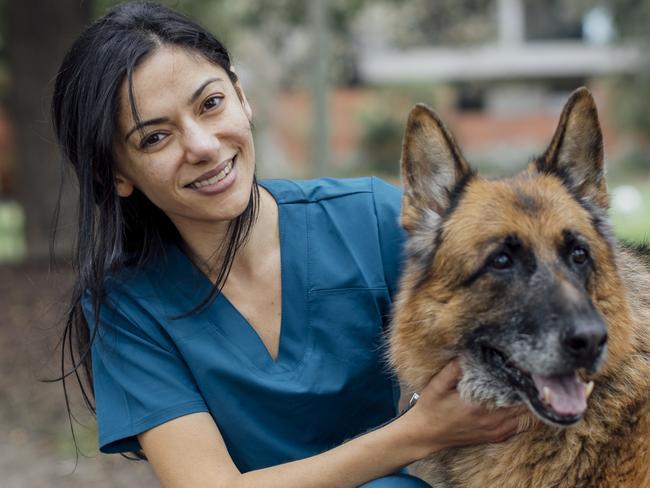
(547, 395)
(589, 387)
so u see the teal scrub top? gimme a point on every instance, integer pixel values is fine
(340, 244)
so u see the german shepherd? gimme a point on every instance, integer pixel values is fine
(522, 279)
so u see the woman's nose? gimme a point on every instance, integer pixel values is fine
(201, 144)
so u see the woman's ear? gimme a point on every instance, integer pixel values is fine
(123, 185)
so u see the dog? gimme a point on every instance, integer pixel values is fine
(522, 279)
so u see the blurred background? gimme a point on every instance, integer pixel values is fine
(331, 83)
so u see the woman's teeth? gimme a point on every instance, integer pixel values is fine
(215, 179)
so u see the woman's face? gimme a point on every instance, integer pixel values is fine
(192, 153)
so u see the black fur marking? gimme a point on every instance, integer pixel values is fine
(528, 203)
(599, 220)
(562, 173)
(551, 165)
(570, 241)
(582, 273)
(416, 125)
(427, 258)
(481, 342)
(595, 147)
(471, 279)
(452, 146)
(522, 257)
(456, 194)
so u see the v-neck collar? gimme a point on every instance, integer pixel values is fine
(295, 334)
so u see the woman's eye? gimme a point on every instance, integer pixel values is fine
(579, 255)
(151, 140)
(501, 261)
(212, 102)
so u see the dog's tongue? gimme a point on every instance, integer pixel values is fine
(567, 393)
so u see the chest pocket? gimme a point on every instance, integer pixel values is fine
(348, 326)
(348, 323)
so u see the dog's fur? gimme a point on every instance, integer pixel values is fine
(526, 266)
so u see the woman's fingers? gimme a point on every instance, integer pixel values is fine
(451, 421)
(509, 428)
(447, 378)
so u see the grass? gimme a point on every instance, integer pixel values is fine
(86, 437)
(633, 225)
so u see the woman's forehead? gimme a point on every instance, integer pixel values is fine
(165, 75)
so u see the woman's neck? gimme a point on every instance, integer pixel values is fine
(206, 243)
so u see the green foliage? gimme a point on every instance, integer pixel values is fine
(12, 232)
(634, 226)
(85, 437)
(276, 20)
(381, 143)
(221, 17)
(296, 12)
(273, 21)
(634, 164)
(632, 18)
(446, 22)
(383, 121)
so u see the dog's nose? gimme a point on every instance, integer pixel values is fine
(585, 340)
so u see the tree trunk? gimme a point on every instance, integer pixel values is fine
(38, 33)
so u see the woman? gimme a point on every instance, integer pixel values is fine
(234, 328)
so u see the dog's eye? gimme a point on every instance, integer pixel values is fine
(579, 255)
(501, 261)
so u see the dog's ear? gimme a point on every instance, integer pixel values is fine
(431, 166)
(576, 151)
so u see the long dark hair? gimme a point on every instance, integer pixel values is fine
(115, 232)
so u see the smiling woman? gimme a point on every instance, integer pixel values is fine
(188, 145)
(231, 330)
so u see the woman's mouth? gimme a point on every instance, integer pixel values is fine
(215, 183)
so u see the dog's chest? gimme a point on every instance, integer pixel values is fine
(541, 459)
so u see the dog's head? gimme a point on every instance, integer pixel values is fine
(515, 276)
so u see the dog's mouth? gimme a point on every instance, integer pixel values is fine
(559, 399)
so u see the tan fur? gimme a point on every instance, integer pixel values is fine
(610, 447)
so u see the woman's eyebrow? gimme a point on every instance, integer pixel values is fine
(161, 120)
(140, 125)
(200, 89)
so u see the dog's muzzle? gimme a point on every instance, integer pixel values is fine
(548, 371)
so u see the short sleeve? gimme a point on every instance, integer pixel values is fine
(388, 203)
(140, 380)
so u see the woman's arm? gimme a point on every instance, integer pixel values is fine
(189, 452)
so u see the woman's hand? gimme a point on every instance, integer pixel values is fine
(444, 420)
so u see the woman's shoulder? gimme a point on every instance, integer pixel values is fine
(137, 299)
(319, 189)
(138, 280)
